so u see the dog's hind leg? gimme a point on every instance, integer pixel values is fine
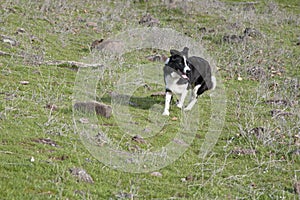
(182, 98)
(193, 98)
(167, 102)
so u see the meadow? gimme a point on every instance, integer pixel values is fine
(251, 121)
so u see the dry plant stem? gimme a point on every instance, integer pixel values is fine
(56, 62)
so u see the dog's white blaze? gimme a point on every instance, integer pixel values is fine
(167, 61)
(186, 67)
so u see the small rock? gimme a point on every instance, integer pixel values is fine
(96, 43)
(148, 20)
(156, 94)
(154, 58)
(20, 31)
(9, 40)
(157, 174)
(47, 141)
(94, 106)
(202, 30)
(251, 32)
(297, 187)
(91, 24)
(174, 119)
(233, 38)
(148, 87)
(24, 82)
(52, 107)
(139, 139)
(82, 20)
(239, 78)
(34, 39)
(157, 58)
(111, 46)
(147, 130)
(84, 120)
(253, 185)
(82, 175)
(188, 178)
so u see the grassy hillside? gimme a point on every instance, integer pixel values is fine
(254, 48)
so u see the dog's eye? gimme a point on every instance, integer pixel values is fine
(179, 59)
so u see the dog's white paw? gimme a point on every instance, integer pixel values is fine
(166, 113)
(179, 105)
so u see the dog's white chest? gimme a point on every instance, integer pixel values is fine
(172, 83)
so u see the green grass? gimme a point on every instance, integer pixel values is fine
(59, 31)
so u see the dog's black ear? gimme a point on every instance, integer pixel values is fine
(185, 51)
(174, 52)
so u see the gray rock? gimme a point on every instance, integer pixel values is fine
(110, 46)
(139, 139)
(9, 40)
(82, 175)
(233, 39)
(94, 106)
(148, 20)
(251, 32)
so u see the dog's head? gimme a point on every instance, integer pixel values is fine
(178, 62)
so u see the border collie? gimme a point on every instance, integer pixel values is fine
(182, 73)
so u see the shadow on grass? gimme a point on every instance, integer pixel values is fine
(137, 102)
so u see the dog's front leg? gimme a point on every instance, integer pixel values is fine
(167, 103)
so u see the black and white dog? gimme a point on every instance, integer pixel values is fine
(182, 73)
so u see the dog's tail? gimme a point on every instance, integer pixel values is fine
(214, 82)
